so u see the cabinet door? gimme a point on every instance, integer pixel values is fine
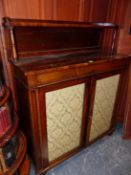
(65, 118)
(103, 96)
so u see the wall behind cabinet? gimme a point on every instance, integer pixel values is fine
(47, 10)
(44, 9)
(62, 9)
(124, 45)
(96, 10)
(22, 8)
(74, 10)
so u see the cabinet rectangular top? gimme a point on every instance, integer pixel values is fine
(11, 22)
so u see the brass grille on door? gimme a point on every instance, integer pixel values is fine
(105, 95)
(64, 109)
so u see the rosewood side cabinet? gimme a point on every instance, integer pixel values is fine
(67, 83)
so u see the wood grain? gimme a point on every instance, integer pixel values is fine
(1, 10)
(20, 155)
(124, 44)
(98, 10)
(67, 10)
(47, 9)
(127, 118)
(22, 9)
(24, 168)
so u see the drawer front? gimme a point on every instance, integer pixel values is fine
(64, 111)
(104, 101)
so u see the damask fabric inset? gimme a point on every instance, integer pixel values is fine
(105, 95)
(64, 108)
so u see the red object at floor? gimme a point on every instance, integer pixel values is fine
(5, 122)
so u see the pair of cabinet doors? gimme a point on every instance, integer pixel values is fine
(77, 113)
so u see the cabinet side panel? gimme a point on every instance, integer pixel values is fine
(28, 115)
(64, 108)
(105, 95)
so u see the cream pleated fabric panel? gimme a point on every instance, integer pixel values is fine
(105, 95)
(64, 109)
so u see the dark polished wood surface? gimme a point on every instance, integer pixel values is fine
(46, 71)
(6, 96)
(12, 22)
(11, 132)
(44, 56)
(52, 37)
(20, 156)
(116, 11)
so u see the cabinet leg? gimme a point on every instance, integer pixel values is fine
(24, 169)
(110, 132)
(16, 173)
